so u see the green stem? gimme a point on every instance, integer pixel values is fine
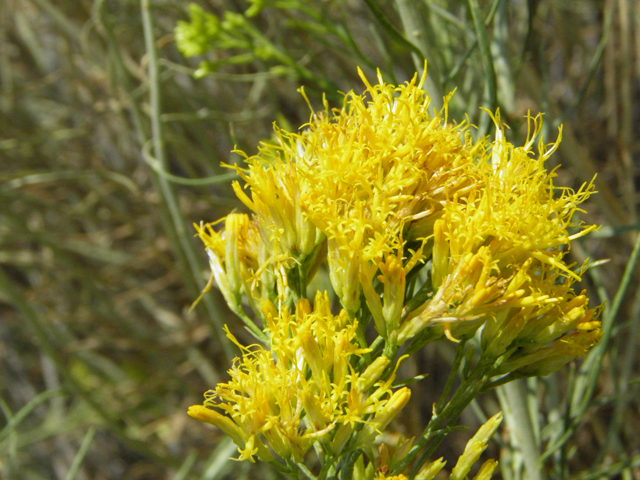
(346, 469)
(487, 60)
(514, 401)
(384, 22)
(463, 59)
(251, 326)
(485, 52)
(306, 471)
(362, 339)
(444, 419)
(390, 351)
(82, 451)
(452, 375)
(179, 225)
(299, 279)
(15, 420)
(194, 182)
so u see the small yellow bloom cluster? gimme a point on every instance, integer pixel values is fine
(498, 263)
(303, 389)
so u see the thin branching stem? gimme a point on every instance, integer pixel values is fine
(182, 236)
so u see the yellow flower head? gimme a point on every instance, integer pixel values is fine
(303, 389)
(275, 199)
(239, 260)
(382, 476)
(362, 177)
(498, 258)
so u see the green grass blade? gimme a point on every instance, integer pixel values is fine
(82, 451)
(25, 411)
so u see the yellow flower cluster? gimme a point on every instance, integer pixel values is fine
(303, 389)
(379, 188)
(424, 232)
(355, 182)
(497, 262)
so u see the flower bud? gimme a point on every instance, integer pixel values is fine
(394, 279)
(429, 471)
(486, 470)
(475, 447)
(224, 423)
(384, 416)
(372, 373)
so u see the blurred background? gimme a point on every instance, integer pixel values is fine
(110, 149)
